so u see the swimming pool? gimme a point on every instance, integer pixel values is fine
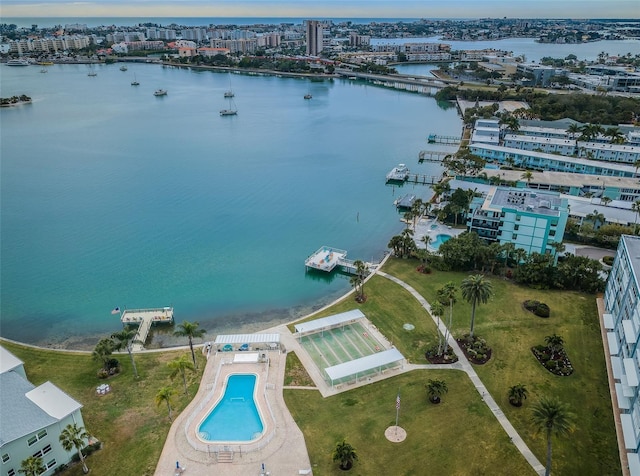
(235, 417)
(441, 238)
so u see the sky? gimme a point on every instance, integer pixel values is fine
(578, 9)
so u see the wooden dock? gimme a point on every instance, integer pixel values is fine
(423, 179)
(432, 156)
(438, 139)
(144, 318)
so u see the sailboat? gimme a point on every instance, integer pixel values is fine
(135, 81)
(92, 72)
(229, 93)
(232, 110)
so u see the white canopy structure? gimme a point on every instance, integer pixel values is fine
(232, 342)
(363, 364)
(329, 322)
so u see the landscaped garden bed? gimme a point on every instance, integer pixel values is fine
(475, 348)
(553, 356)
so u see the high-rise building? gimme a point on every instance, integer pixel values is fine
(621, 320)
(314, 37)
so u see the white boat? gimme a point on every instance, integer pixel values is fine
(123, 68)
(18, 62)
(308, 96)
(160, 92)
(135, 81)
(92, 73)
(399, 173)
(229, 93)
(44, 70)
(232, 110)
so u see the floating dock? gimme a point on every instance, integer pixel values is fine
(328, 258)
(144, 318)
(325, 259)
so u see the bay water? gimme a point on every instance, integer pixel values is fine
(111, 196)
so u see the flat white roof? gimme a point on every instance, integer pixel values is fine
(8, 361)
(329, 321)
(247, 338)
(246, 358)
(53, 400)
(363, 363)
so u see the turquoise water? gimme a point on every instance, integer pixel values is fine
(235, 417)
(113, 197)
(441, 238)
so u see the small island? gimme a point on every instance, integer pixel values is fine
(15, 101)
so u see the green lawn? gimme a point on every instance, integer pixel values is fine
(127, 421)
(511, 331)
(459, 436)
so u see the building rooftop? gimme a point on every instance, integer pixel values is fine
(8, 361)
(565, 178)
(632, 244)
(559, 158)
(542, 203)
(19, 415)
(539, 140)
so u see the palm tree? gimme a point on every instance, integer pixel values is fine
(436, 389)
(125, 338)
(190, 330)
(573, 130)
(636, 208)
(437, 309)
(527, 175)
(476, 289)
(32, 466)
(180, 365)
(102, 352)
(517, 394)
(165, 394)
(447, 295)
(416, 211)
(598, 219)
(552, 417)
(636, 164)
(606, 200)
(554, 343)
(73, 437)
(345, 454)
(362, 270)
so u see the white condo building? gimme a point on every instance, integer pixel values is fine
(622, 324)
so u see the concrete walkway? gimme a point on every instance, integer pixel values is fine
(464, 365)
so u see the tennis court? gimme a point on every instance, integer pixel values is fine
(340, 345)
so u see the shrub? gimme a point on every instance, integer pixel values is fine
(542, 310)
(531, 305)
(608, 260)
(102, 374)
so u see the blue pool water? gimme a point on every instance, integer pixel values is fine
(439, 240)
(236, 416)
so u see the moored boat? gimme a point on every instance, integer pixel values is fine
(399, 173)
(308, 96)
(18, 62)
(123, 68)
(160, 92)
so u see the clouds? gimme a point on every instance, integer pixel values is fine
(326, 8)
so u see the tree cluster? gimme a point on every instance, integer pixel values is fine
(469, 252)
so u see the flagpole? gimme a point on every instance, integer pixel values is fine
(397, 409)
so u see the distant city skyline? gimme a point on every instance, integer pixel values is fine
(318, 9)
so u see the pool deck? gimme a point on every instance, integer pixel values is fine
(285, 453)
(432, 228)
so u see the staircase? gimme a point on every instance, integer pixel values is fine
(224, 456)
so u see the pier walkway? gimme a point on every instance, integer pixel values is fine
(438, 139)
(144, 318)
